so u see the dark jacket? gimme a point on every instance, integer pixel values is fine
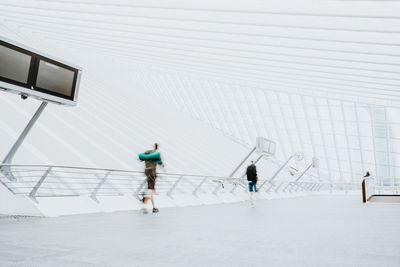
(251, 173)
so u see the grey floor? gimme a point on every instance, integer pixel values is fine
(310, 231)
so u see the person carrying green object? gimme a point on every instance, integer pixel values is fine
(151, 159)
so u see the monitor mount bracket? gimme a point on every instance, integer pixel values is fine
(5, 169)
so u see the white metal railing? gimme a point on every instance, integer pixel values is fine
(370, 187)
(61, 181)
(373, 188)
(387, 189)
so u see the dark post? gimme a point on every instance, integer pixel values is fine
(363, 191)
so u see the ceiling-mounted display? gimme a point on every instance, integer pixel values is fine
(29, 73)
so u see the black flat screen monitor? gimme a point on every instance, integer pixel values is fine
(31, 73)
(55, 78)
(15, 64)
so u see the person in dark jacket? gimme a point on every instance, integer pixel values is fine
(252, 178)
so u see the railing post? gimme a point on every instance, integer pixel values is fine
(296, 187)
(243, 161)
(99, 185)
(364, 197)
(194, 193)
(289, 184)
(277, 172)
(235, 184)
(32, 194)
(169, 193)
(136, 194)
(310, 187)
(304, 186)
(271, 186)
(264, 183)
(301, 186)
(313, 186)
(218, 186)
(276, 189)
(317, 187)
(304, 172)
(239, 183)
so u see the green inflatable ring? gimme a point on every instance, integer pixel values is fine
(153, 157)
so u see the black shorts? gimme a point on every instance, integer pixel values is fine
(151, 179)
(151, 183)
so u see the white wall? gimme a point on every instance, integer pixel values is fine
(113, 122)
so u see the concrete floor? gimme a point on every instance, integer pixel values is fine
(310, 231)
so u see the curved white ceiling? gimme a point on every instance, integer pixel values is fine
(346, 48)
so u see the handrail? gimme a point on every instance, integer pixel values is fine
(371, 188)
(46, 180)
(114, 170)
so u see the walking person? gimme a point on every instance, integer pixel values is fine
(252, 178)
(151, 158)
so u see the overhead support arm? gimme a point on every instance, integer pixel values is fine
(314, 164)
(264, 146)
(243, 161)
(277, 172)
(304, 172)
(6, 170)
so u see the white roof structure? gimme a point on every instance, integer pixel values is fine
(205, 78)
